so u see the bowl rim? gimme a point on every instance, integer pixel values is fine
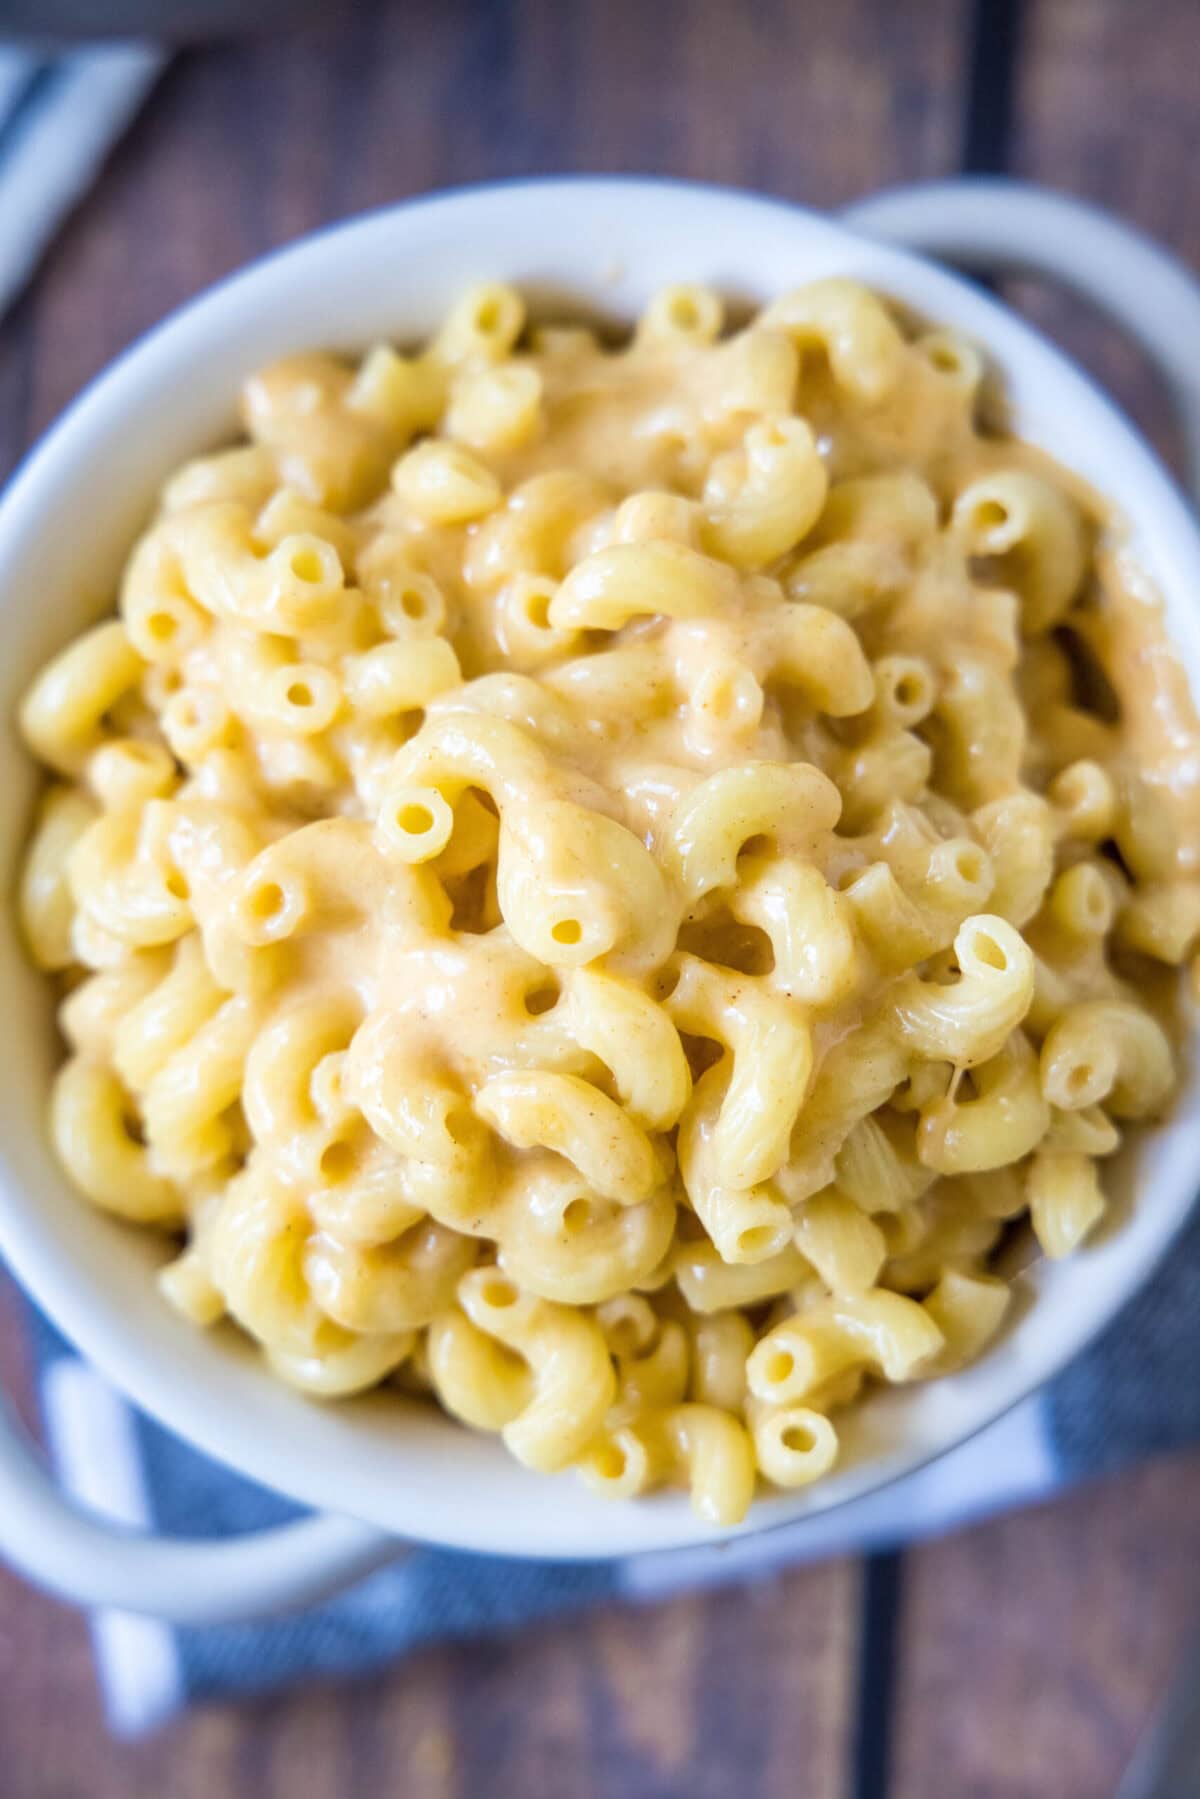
(662, 1523)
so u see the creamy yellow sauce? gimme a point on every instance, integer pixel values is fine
(658, 1011)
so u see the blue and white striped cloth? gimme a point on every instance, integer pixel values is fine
(1135, 1394)
(59, 117)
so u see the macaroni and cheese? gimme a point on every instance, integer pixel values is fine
(601, 884)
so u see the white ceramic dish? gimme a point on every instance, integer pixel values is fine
(65, 524)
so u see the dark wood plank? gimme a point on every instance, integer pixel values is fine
(44, 1646)
(236, 155)
(241, 149)
(1107, 109)
(1036, 1647)
(705, 1695)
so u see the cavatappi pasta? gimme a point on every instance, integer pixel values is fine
(600, 883)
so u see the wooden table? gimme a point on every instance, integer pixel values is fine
(1027, 1652)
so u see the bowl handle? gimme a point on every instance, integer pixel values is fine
(993, 225)
(1009, 227)
(93, 1561)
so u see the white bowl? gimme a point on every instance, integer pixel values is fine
(66, 523)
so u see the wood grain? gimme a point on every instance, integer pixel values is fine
(1035, 1648)
(1107, 108)
(705, 1695)
(240, 150)
(1069, 1617)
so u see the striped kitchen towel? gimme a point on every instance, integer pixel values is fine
(1134, 1394)
(60, 114)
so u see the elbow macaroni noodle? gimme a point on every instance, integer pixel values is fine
(603, 883)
